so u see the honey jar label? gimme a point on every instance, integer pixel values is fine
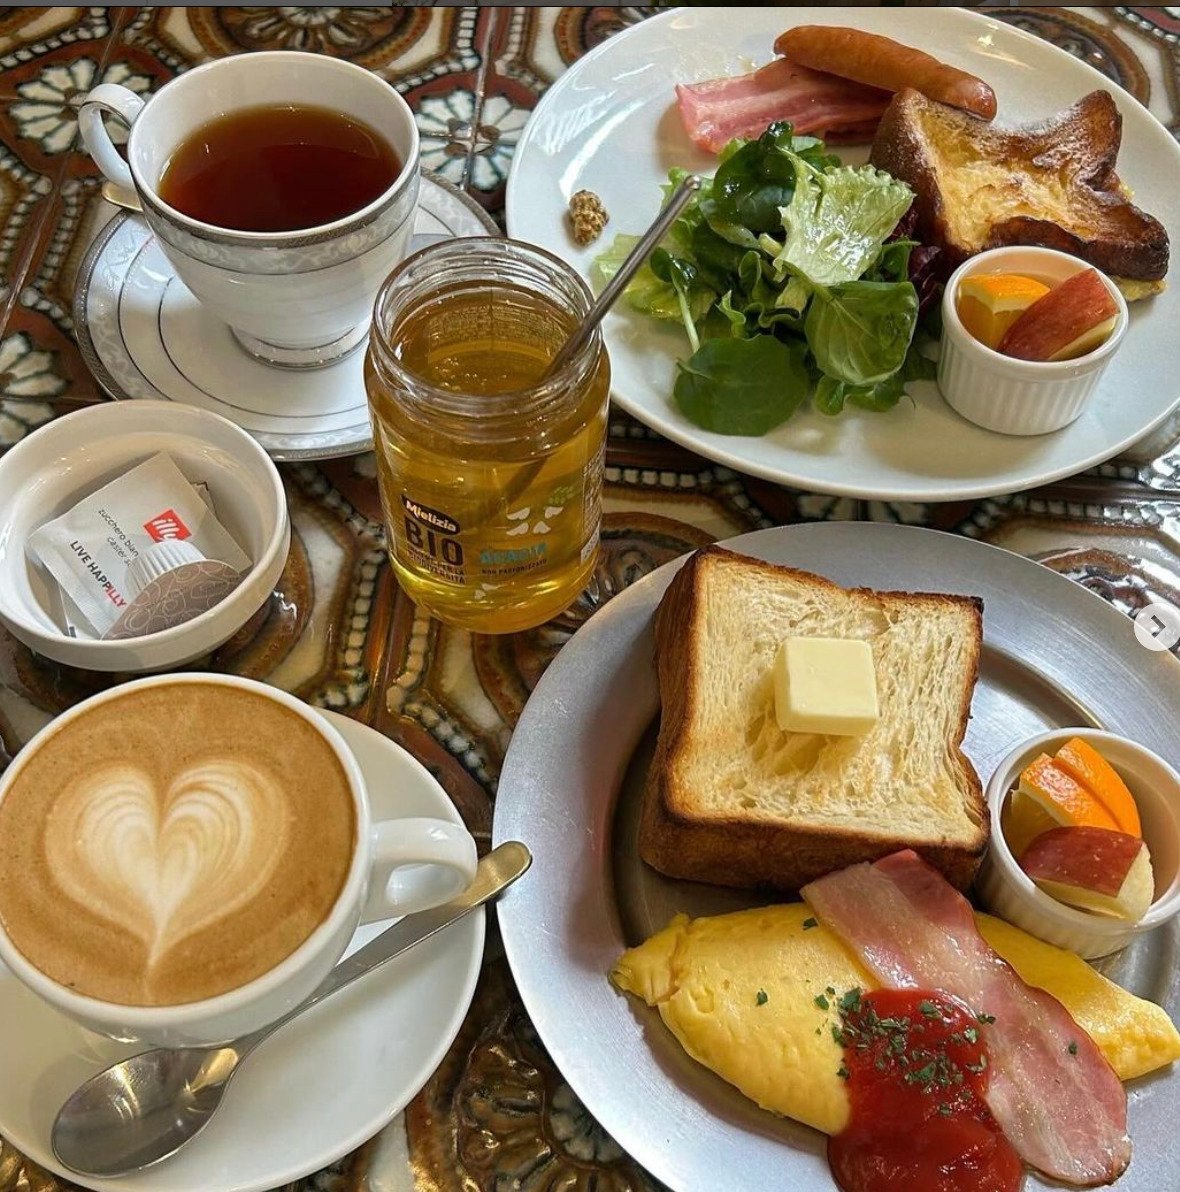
(430, 540)
(544, 528)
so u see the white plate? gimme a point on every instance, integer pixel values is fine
(143, 334)
(312, 1092)
(571, 788)
(609, 124)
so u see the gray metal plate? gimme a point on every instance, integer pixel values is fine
(1054, 655)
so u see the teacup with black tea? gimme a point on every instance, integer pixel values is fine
(278, 168)
(280, 186)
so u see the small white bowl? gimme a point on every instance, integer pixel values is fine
(73, 456)
(1006, 889)
(1019, 397)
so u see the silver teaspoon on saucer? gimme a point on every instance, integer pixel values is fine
(144, 1109)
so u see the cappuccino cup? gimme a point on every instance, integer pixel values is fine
(185, 857)
(299, 298)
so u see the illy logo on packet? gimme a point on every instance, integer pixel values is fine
(167, 527)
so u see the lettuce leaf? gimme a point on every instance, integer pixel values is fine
(860, 331)
(831, 395)
(648, 293)
(754, 180)
(742, 386)
(782, 276)
(837, 221)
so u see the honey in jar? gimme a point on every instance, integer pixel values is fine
(490, 471)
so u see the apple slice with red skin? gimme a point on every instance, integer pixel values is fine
(1095, 869)
(1070, 320)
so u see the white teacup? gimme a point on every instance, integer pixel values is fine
(396, 866)
(301, 298)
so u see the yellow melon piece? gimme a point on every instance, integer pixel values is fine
(745, 995)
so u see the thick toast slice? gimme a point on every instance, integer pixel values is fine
(1052, 184)
(732, 800)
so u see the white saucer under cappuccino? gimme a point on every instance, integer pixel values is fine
(186, 854)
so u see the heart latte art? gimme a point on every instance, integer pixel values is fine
(162, 864)
(172, 843)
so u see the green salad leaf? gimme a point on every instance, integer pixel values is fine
(647, 292)
(751, 186)
(716, 256)
(831, 395)
(893, 262)
(837, 221)
(754, 181)
(860, 331)
(742, 386)
(782, 273)
(684, 278)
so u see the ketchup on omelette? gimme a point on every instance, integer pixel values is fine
(916, 1067)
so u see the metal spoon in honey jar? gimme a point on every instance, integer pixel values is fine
(646, 243)
(644, 246)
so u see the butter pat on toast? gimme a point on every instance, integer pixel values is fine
(733, 800)
(1051, 184)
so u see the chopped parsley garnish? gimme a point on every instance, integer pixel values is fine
(985, 1018)
(822, 1002)
(842, 1072)
(917, 1048)
(850, 1002)
(1073, 1047)
(761, 999)
(808, 924)
(922, 1075)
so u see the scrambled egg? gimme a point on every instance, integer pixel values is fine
(746, 995)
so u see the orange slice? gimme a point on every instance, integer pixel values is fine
(989, 303)
(1082, 761)
(1063, 797)
(1023, 820)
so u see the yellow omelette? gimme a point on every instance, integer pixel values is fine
(745, 995)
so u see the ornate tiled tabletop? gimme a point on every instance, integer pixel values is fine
(337, 631)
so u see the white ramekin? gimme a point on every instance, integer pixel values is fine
(1008, 891)
(67, 459)
(1019, 397)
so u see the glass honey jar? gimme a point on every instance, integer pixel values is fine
(490, 471)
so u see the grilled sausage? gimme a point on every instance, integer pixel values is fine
(881, 62)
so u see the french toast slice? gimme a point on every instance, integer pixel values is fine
(1051, 184)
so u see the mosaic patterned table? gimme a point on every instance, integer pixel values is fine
(337, 630)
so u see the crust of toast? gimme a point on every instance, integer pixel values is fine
(1089, 216)
(747, 853)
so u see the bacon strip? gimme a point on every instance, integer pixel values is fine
(1054, 1095)
(814, 102)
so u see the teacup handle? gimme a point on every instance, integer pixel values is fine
(117, 101)
(417, 864)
